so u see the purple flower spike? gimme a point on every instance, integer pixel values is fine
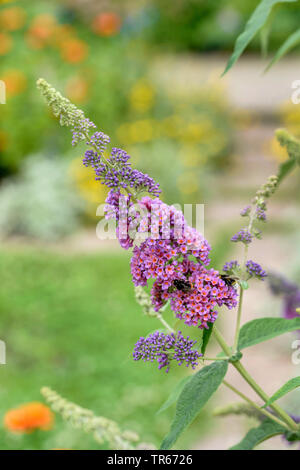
(117, 173)
(230, 265)
(243, 236)
(255, 270)
(166, 348)
(246, 211)
(261, 214)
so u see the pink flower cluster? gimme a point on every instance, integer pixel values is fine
(193, 290)
(177, 266)
(174, 255)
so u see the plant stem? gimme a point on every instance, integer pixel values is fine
(166, 324)
(283, 415)
(252, 403)
(238, 321)
(240, 368)
(214, 358)
(239, 315)
(222, 342)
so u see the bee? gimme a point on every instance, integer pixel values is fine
(184, 286)
(229, 280)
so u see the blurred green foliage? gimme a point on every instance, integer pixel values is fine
(70, 322)
(177, 137)
(214, 24)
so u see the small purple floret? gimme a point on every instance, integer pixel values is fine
(166, 348)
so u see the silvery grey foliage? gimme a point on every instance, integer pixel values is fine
(40, 202)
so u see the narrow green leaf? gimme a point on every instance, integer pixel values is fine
(285, 168)
(291, 42)
(255, 436)
(254, 24)
(173, 397)
(265, 32)
(206, 337)
(262, 329)
(194, 396)
(286, 388)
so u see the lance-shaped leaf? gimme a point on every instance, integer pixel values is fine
(286, 388)
(254, 24)
(173, 397)
(206, 337)
(285, 168)
(255, 436)
(193, 397)
(291, 42)
(263, 329)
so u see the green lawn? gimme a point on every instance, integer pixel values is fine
(70, 322)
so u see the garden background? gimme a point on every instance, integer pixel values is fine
(149, 75)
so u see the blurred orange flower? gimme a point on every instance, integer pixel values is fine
(29, 417)
(74, 50)
(107, 24)
(5, 43)
(15, 82)
(77, 89)
(12, 19)
(41, 31)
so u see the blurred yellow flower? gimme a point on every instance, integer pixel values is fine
(139, 131)
(291, 118)
(171, 126)
(142, 131)
(92, 191)
(191, 156)
(142, 96)
(277, 151)
(196, 131)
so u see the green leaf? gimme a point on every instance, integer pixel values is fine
(194, 396)
(206, 337)
(286, 388)
(254, 24)
(255, 436)
(285, 168)
(174, 394)
(265, 32)
(262, 329)
(291, 42)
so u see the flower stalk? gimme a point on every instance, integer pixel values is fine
(264, 412)
(247, 377)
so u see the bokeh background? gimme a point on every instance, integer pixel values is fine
(149, 75)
